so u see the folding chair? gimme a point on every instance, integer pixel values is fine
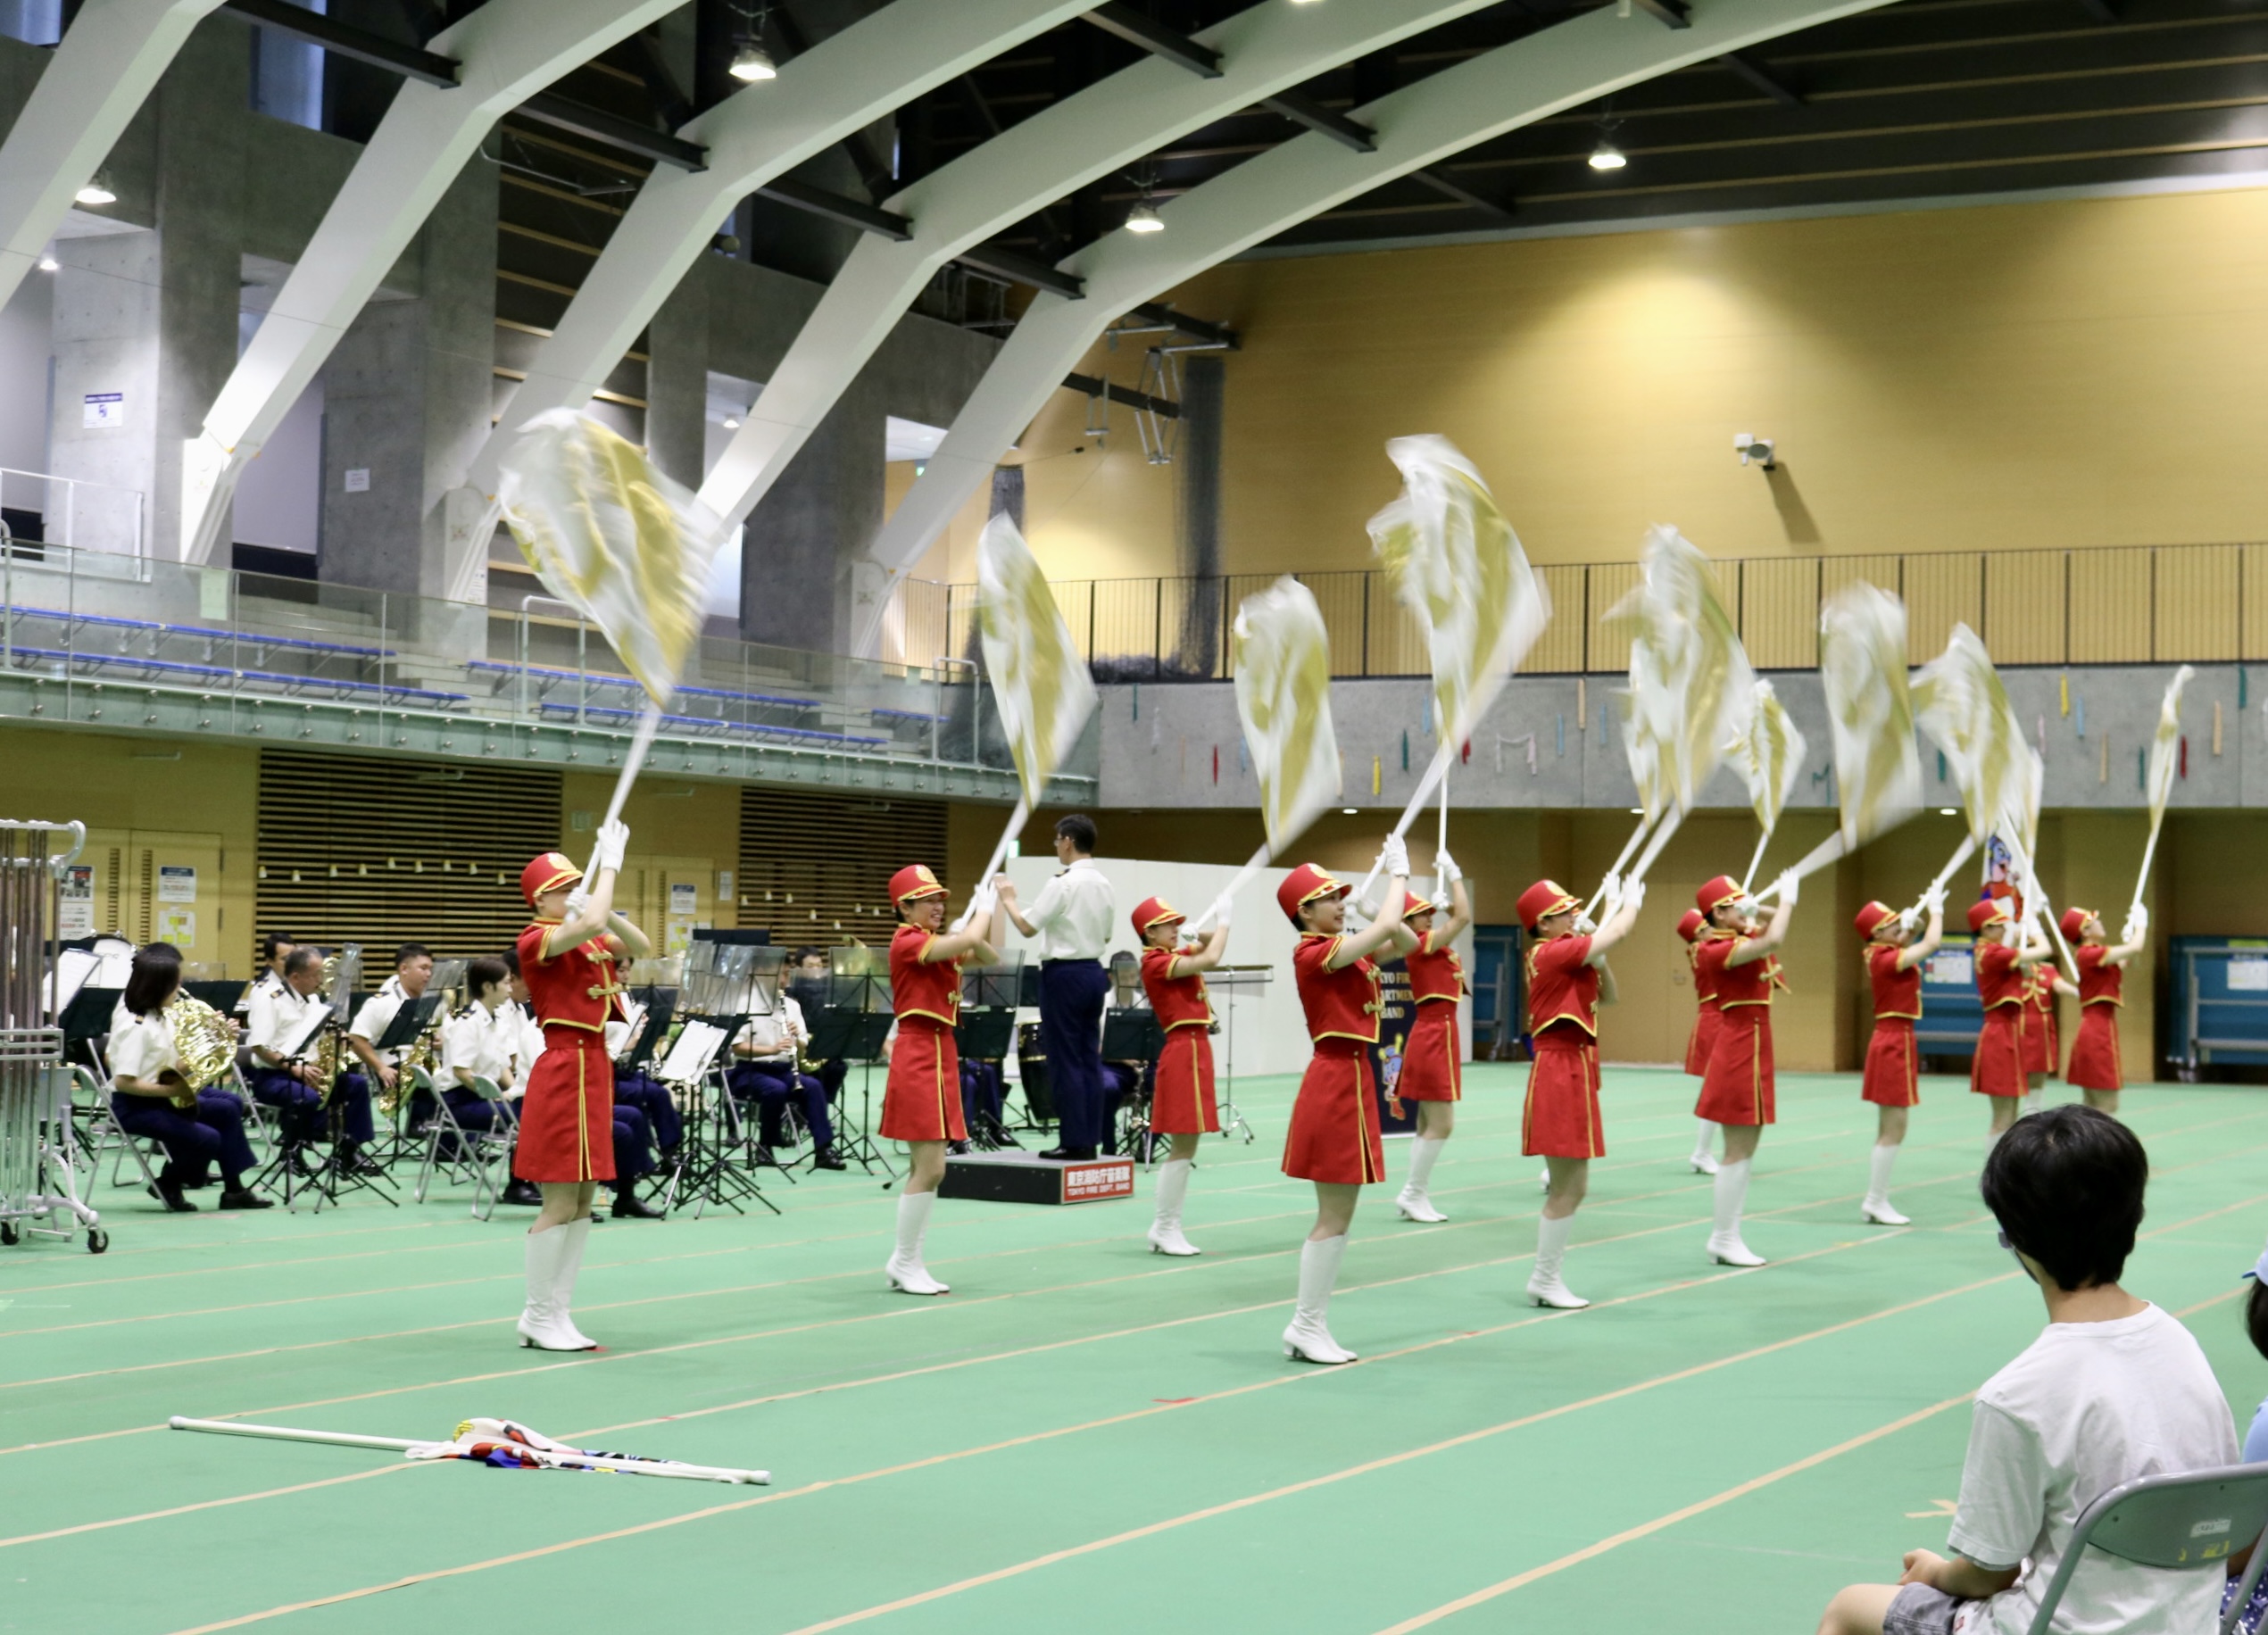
(2195, 1520)
(101, 1129)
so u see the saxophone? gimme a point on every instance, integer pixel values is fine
(201, 1039)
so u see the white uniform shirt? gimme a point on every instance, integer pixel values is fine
(1072, 913)
(376, 1015)
(140, 1047)
(529, 1045)
(277, 1018)
(775, 1038)
(2086, 1407)
(480, 1041)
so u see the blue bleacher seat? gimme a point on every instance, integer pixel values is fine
(882, 713)
(221, 675)
(709, 724)
(600, 678)
(206, 633)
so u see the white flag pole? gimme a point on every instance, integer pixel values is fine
(1763, 840)
(1629, 846)
(641, 740)
(1435, 773)
(1015, 822)
(1252, 866)
(1667, 827)
(1825, 852)
(1441, 839)
(2149, 850)
(622, 1464)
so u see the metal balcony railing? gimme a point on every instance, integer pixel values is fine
(2123, 605)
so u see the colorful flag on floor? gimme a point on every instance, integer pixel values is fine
(1043, 688)
(613, 538)
(1283, 699)
(1456, 564)
(1870, 711)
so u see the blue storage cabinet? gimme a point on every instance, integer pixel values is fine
(2220, 1011)
(1952, 1015)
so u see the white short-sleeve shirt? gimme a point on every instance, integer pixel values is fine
(140, 1047)
(1072, 913)
(479, 1041)
(376, 1015)
(2084, 1408)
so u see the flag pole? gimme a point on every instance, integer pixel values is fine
(1763, 840)
(641, 740)
(1252, 866)
(2149, 850)
(1667, 827)
(1441, 839)
(1825, 852)
(1015, 822)
(1435, 773)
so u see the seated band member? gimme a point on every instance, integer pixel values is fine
(278, 1019)
(632, 1135)
(149, 1096)
(275, 947)
(634, 1087)
(479, 1042)
(765, 1072)
(412, 970)
(807, 971)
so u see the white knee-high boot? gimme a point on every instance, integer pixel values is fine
(1414, 1204)
(1308, 1338)
(1726, 1246)
(1173, 1186)
(570, 1266)
(540, 1328)
(1544, 1285)
(906, 1271)
(1877, 1206)
(1702, 1163)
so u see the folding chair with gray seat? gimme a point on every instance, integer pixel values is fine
(2197, 1520)
(101, 1130)
(482, 1158)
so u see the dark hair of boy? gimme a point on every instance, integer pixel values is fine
(2066, 1186)
(483, 973)
(156, 973)
(1078, 828)
(273, 943)
(409, 951)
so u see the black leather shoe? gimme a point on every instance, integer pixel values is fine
(168, 1193)
(1069, 1155)
(522, 1192)
(243, 1198)
(825, 1158)
(629, 1207)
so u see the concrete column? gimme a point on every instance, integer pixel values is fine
(406, 396)
(1196, 496)
(676, 383)
(814, 523)
(152, 315)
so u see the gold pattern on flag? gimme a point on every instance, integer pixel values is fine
(1283, 698)
(1043, 688)
(1870, 712)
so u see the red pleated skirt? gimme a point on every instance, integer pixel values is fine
(1998, 1067)
(1893, 1067)
(1561, 1119)
(1335, 1122)
(1181, 1100)
(567, 1115)
(2041, 1049)
(1696, 1048)
(2094, 1051)
(921, 1099)
(1739, 1087)
(1430, 1069)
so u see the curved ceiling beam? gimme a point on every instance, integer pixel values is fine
(109, 61)
(1562, 66)
(507, 51)
(847, 81)
(1261, 53)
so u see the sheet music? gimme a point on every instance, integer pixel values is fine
(312, 1024)
(73, 967)
(689, 1058)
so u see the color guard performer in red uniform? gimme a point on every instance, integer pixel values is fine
(1892, 1079)
(1692, 925)
(1738, 1091)
(2003, 976)
(1334, 1138)
(1181, 1095)
(1433, 1054)
(1567, 979)
(567, 957)
(921, 1101)
(2094, 1070)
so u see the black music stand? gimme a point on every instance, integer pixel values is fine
(854, 1026)
(86, 1019)
(660, 1011)
(1130, 1033)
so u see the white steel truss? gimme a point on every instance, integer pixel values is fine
(1561, 67)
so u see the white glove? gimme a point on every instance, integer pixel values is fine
(1610, 888)
(1933, 901)
(614, 842)
(1585, 925)
(577, 900)
(1909, 920)
(2137, 925)
(986, 899)
(1445, 868)
(1396, 856)
(1222, 904)
(1634, 896)
(1788, 887)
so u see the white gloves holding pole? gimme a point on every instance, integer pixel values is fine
(2137, 925)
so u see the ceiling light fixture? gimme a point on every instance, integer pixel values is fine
(1143, 218)
(1946, 811)
(48, 263)
(731, 423)
(1606, 156)
(752, 63)
(97, 191)
(1346, 811)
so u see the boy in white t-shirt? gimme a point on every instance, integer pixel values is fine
(2113, 1390)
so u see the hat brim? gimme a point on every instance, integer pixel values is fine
(1559, 905)
(1335, 888)
(1175, 917)
(551, 882)
(921, 893)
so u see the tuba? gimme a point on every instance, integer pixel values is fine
(201, 1039)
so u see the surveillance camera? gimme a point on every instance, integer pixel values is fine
(1753, 447)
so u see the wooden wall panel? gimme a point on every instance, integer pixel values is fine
(816, 867)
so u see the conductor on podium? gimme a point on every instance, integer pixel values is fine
(1070, 919)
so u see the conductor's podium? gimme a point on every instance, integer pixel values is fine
(1026, 1178)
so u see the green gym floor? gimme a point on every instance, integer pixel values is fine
(1081, 1434)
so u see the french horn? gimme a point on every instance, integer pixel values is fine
(202, 1041)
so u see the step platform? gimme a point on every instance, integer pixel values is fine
(1026, 1178)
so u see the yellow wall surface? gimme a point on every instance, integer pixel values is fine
(2046, 374)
